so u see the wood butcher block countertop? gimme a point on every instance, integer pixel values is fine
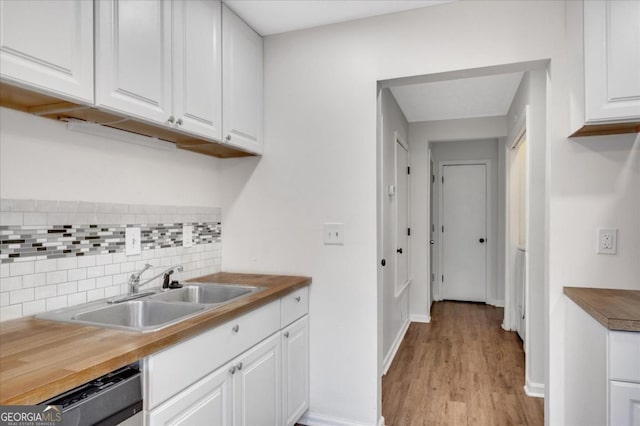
(615, 309)
(41, 359)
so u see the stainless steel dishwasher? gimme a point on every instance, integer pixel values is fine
(113, 399)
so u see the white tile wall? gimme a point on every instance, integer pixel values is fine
(31, 287)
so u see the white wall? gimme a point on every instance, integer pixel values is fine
(395, 310)
(595, 183)
(320, 165)
(41, 159)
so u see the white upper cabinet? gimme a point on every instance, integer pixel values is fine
(242, 83)
(161, 61)
(197, 67)
(48, 46)
(133, 57)
(604, 40)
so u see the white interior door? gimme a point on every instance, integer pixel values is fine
(464, 233)
(402, 216)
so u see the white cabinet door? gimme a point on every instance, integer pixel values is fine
(208, 402)
(242, 83)
(295, 370)
(624, 404)
(197, 67)
(612, 60)
(257, 385)
(48, 45)
(133, 57)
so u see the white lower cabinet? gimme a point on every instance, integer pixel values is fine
(624, 403)
(250, 371)
(295, 370)
(257, 385)
(208, 402)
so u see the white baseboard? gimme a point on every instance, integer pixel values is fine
(534, 389)
(496, 303)
(388, 359)
(504, 327)
(317, 419)
(420, 318)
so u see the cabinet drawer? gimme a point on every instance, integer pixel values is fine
(624, 356)
(175, 368)
(295, 305)
(624, 404)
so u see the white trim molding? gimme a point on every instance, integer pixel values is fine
(425, 319)
(311, 418)
(534, 389)
(388, 359)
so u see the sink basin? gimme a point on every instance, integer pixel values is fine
(205, 294)
(154, 310)
(138, 314)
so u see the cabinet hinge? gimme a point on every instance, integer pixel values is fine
(408, 231)
(442, 228)
(408, 170)
(433, 178)
(433, 227)
(443, 278)
(442, 179)
(433, 277)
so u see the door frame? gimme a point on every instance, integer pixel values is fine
(510, 315)
(489, 228)
(400, 289)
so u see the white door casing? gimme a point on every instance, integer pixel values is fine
(464, 244)
(401, 207)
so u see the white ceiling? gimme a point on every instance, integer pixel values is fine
(464, 98)
(278, 16)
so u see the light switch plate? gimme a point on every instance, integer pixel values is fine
(607, 241)
(132, 244)
(187, 235)
(334, 233)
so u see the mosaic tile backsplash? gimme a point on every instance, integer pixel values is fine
(55, 254)
(32, 242)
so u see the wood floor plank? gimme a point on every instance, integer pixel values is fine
(461, 369)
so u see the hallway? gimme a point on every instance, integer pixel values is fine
(461, 369)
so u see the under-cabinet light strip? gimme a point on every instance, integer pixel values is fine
(118, 135)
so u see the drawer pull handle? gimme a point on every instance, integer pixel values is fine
(286, 334)
(298, 298)
(236, 328)
(239, 366)
(232, 370)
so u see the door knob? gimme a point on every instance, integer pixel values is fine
(399, 250)
(481, 240)
(432, 242)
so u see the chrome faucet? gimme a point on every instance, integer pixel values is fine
(134, 280)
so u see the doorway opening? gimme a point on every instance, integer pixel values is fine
(476, 203)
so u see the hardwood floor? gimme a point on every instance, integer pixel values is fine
(461, 369)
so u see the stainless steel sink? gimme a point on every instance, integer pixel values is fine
(138, 314)
(205, 294)
(152, 312)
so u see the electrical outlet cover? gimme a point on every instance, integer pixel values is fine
(334, 233)
(132, 244)
(607, 241)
